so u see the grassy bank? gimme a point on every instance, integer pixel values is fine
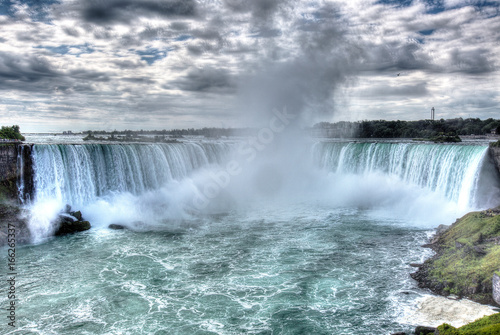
(467, 256)
(488, 325)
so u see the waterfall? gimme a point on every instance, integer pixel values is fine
(78, 174)
(20, 176)
(157, 184)
(451, 170)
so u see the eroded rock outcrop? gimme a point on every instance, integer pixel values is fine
(496, 287)
(14, 218)
(69, 222)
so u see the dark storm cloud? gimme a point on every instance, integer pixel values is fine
(33, 73)
(25, 69)
(215, 80)
(124, 11)
(395, 57)
(471, 61)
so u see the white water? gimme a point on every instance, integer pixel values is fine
(143, 186)
(317, 239)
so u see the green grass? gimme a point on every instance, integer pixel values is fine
(466, 268)
(471, 228)
(488, 325)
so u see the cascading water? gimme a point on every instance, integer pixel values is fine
(21, 178)
(78, 174)
(453, 171)
(129, 183)
(312, 255)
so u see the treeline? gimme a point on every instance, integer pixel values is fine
(207, 132)
(408, 129)
(11, 133)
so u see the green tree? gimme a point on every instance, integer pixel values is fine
(11, 133)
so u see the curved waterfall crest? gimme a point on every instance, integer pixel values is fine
(452, 170)
(79, 173)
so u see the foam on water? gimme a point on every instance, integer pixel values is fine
(314, 269)
(322, 246)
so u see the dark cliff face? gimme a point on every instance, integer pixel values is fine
(16, 169)
(495, 154)
(8, 161)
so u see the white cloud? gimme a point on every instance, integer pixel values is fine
(186, 64)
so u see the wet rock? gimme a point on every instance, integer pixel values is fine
(116, 226)
(77, 215)
(70, 222)
(68, 227)
(421, 330)
(496, 288)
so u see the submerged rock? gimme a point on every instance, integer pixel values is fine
(421, 330)
(116, 226)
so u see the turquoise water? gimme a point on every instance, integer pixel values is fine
(314, 239)
(301, 271)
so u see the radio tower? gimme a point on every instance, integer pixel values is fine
(432, 113)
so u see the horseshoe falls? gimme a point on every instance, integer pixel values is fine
(316, 239)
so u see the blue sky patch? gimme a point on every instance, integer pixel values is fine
(151, 55)
(37, 8)
(426, 32)
(64, 49)
(396, 3)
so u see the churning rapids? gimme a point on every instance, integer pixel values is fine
(227, 239)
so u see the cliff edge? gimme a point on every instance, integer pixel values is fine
(467, 257)
(494, 149)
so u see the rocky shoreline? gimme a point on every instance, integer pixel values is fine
(15, 217)
(466, 260)
(465, 265)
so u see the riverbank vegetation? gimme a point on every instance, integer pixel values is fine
(408, 129)
(488, 325)
(11, 133)
(467, 256)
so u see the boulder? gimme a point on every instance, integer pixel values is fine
(70, 222)
(77, 215)
(496, 288)
(68, 227)
(116, 226)
(421, 330)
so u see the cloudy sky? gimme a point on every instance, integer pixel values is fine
(163, 64)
